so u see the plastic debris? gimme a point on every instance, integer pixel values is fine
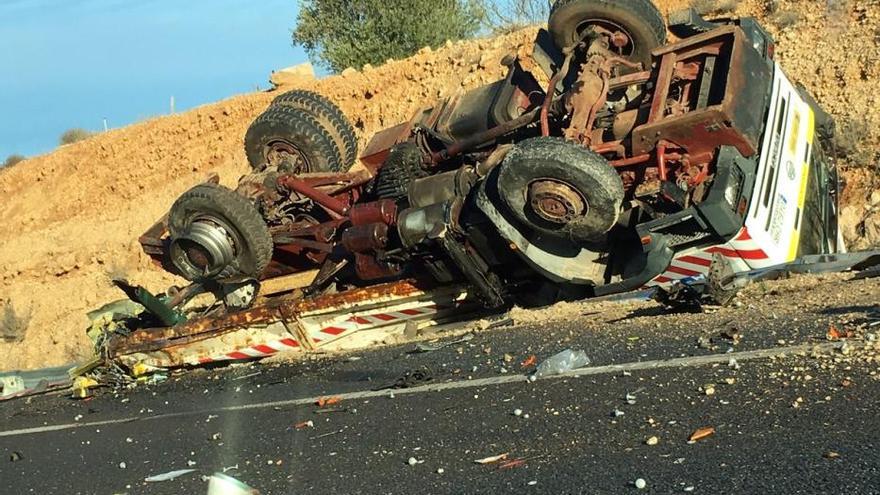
(412, 461)
(140, 369)
(563, 362)
(11, 385)
(617, 413)
(170, 475)
(530, 361)
(221, 484)
(304, 424)
(640, 484)
(701, 433)
(122, 465)
(81, 386)
(517, 412)
(493, 459)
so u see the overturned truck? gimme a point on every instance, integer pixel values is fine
(640, 163)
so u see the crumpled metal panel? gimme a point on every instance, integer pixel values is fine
(290, 325)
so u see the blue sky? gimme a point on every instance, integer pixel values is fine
(71, 63)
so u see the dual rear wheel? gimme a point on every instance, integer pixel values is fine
(218, 234)
(301, 132)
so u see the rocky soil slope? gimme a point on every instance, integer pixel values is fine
(70, 219)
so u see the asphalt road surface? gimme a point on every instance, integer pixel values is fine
(792, 412)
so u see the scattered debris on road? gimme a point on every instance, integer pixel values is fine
(221, 484)
(327, 401)
(701, 433)
(170, 475)
(493, 459)
(562, 362)
(411, 378)
(432, 347)
(304, 424)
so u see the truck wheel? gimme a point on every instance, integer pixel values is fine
(329, 116)
(561, 189)
(291, 141)
(217, 234)
(639, 20)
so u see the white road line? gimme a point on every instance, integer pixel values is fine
(685, 362)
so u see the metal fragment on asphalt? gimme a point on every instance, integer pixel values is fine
(170, 475)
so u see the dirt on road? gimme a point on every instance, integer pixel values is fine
(71, 218)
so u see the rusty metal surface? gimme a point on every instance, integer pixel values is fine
(329, 203)
(379, 147)
(365, 238)
(697, 131)
(273, 310)
(468, 144)
(382, 211)
(556, 201)
(356, 318)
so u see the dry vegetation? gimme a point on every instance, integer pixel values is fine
(13, 324)
(12, 160)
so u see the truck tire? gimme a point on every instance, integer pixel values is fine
(209, 217)
(561, 189)
(291, 141)
(639, 19)
(329, 116)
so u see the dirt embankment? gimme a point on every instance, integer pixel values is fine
(72, 217)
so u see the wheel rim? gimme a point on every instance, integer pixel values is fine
(207, 246)
(283, 154)
(556, 201)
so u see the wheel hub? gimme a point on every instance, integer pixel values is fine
(556, 201)
(205, 246)
(285, 156)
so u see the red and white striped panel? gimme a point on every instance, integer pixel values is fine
(327, 331)
(745, 248)
(742, 252)
(254, 351)
(324, 331)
